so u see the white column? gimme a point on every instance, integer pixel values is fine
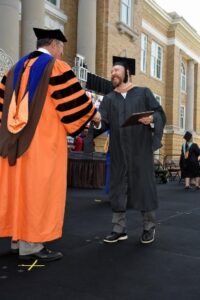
(86, 36)
(9, 28)
(190, 97)
(33, 15)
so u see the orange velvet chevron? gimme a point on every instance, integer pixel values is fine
(73, 106)
(2, 90)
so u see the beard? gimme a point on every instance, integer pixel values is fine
(116, 81)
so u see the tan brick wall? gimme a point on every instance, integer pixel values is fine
(71, 10)
(102, 37)
(172, 144)
(109, 40)
(172, 85)
(188, 40)
(153, 18)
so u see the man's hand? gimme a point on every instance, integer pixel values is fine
(97, 119)
(146, 120)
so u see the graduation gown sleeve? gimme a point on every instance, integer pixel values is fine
(74, 108)
(159, 118)
(92, 131)
(2, 89)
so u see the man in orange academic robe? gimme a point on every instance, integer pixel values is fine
(41, 101)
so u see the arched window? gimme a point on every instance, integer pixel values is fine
(183, 78)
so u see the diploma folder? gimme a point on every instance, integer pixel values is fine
(133, 119)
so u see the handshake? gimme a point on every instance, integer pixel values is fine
(96, 119)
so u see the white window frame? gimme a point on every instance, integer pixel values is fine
(143, 59)
(126, 12)
(182, 116)
(158, 98)
(183, 77)
(156, 60)
(80, 68)
(57, 3)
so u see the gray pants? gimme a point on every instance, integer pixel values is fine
(26, 248)
(119, 221)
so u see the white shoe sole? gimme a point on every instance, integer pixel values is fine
(122, 238)
(150, 241)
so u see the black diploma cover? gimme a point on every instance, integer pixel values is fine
(133, 119)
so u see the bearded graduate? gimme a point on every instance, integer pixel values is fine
(132, 179)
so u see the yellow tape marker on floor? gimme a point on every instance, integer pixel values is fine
(33, 265)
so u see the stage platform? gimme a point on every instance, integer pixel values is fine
(169, 269)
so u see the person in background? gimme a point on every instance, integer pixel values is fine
(41, 101)
(189, 164)
(132, 178)
(78, 143)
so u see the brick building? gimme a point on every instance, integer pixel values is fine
(165, 46)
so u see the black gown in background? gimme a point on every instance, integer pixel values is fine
(190, 167)
(131, 148)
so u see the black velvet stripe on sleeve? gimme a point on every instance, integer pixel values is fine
(56, 80)
(1, 107)
(1, 93)
(72, 104)
(83, 126)
(70, 90)
(3, 80)
(74, 117)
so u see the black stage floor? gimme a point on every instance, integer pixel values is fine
(169, 269)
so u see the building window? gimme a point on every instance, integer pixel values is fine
(156, 60)
(158, 98)
(126, 12)
(143, 62)
(182, 117)
(183, 78)
(54, 2)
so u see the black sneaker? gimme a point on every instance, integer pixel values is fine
(44, 255)
(187, 187)
(148, 236)
(115, 237)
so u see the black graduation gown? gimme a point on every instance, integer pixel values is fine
(131, 148)
(190, 167)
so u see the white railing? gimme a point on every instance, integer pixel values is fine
(81, 73)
